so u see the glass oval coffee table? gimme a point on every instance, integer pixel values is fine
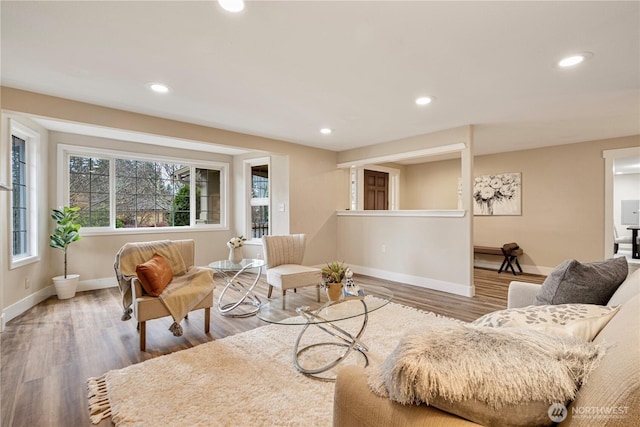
(303, 309)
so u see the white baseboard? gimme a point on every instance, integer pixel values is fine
(423, 282)
(16, 309)
(439, 285)
(30, 301)
(531, 269)
(93, 284)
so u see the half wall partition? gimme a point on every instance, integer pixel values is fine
(427, 248)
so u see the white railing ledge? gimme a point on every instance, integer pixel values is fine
(433, 213)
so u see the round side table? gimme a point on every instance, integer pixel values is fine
(238, 291)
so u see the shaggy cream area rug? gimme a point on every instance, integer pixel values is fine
(243, 380)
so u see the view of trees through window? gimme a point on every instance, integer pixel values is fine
(89, 190)
(147, 193)
(151, 194)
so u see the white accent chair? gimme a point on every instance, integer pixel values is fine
(146, 307)
(284, 255)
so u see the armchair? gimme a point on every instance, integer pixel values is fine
(190, 289)
(283, 255)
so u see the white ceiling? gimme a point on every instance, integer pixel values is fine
(285, 69)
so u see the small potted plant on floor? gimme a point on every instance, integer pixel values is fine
(332, 276)
(66, 232)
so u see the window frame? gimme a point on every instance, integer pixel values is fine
(65, 151)
(32, 152)
(258, 201)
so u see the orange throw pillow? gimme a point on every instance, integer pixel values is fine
(154, 275)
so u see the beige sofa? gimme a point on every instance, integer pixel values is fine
(613, 388)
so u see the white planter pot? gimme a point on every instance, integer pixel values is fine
(66, 288)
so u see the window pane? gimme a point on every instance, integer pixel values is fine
(259, 200)
(19, 199)
(145, 219)
(89, 190)
(125, 185)
(260, 181)
(259, 221)
(208, 184)
(19, 242)
(126, 167)
(151, 194)
(162, 217)
(99, 210)
(79, 182)
(99, 184)
(79, 164)
(180, 207)
(19, 195)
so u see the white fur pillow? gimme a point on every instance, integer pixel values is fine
(492, 376)
(578, 320)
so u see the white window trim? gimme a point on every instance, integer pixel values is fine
(65, 151)
(32, 145)
(249, 201)
(356, 189)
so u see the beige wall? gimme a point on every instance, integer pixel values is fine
(427, 251)
(432, 185)
(310, 207)
(562, 200)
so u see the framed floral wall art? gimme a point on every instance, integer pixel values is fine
(499, 194)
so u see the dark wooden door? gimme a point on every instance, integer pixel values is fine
(376, 189)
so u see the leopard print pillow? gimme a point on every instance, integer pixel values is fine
(581, 320)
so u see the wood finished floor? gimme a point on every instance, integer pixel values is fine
(49, 352)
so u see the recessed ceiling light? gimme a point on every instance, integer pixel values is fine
(158, 87)
(425, 100)
(573, 60)
(325, 131)
(231, 5)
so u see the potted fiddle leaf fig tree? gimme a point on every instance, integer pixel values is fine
(66, 232)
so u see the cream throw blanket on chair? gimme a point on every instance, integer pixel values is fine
(185, 291)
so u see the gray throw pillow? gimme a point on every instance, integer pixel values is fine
(573, 282)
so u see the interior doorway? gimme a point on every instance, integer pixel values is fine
(622, 180)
